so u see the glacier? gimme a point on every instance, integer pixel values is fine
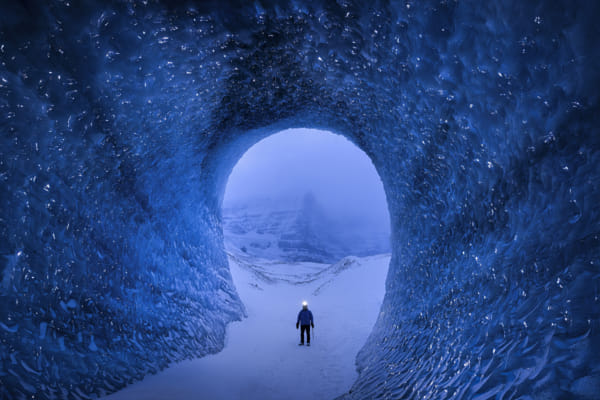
(301, 230)
(122, 120)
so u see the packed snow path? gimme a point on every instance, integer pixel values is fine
(262, 359)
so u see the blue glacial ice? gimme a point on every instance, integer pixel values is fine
(120, 122)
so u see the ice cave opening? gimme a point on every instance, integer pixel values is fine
(305, 195)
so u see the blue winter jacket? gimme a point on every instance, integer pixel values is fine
(305, 317)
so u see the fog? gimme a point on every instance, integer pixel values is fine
(282, 168)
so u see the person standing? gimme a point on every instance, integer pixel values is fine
(304, 322)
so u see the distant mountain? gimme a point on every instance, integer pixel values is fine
(302, 231)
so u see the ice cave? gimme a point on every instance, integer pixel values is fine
(121, 121)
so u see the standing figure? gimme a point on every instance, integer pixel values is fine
(304, 322)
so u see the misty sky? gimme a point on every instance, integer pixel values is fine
(286, 165)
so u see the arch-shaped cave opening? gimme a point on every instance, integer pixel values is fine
(304, 217)
(350, 285)
(318, 186)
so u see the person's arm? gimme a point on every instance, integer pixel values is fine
(312, 322)
(298, 320)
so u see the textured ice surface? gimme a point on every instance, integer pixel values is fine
(121, 121)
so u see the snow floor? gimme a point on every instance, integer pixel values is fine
(261, 358)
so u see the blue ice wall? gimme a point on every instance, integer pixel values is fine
(121, 121)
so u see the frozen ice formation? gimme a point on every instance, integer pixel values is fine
(120, 122)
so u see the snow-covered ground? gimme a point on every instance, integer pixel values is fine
(261, 358)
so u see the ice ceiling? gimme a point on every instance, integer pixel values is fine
(121, 121)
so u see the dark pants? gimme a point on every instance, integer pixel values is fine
(307, 329)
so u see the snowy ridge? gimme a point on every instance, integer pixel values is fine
(300, 231)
